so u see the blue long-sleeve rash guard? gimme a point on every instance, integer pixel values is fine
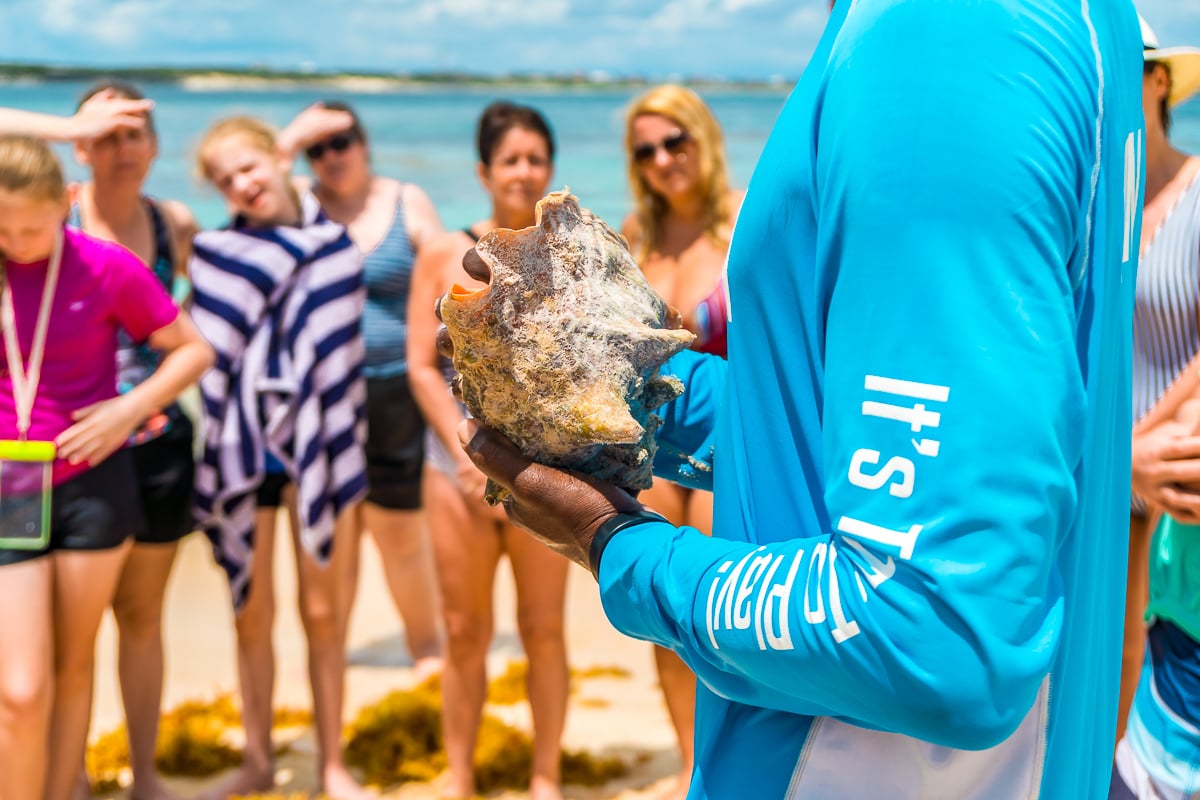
(919, 446)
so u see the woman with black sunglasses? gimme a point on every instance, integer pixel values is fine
(391, 222)
(679, 233)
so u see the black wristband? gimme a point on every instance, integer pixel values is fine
(610, 527)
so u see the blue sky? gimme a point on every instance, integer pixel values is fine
(731, 38)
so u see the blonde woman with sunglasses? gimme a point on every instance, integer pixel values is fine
(679, 234)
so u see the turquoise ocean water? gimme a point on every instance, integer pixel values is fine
(427, 136)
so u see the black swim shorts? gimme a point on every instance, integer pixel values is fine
(166, 471)
(395, 444)
(96, 510)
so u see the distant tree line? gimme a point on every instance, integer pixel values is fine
(11, 71)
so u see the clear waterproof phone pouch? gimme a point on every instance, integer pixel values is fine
(26, 470)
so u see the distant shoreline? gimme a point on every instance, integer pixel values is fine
(208, 79)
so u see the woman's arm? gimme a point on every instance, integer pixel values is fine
(103, 427)
(421, 220)
(100, 115)
(438, 266)
(1166, 449)
(311, 126)
(183, 228)
(632, 232)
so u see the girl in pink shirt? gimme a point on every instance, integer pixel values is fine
(69, 296)
(114, 136)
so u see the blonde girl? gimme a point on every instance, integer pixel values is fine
(119, 147)
(279, 293)
(66, 296)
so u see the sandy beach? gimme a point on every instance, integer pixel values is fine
(622, 716)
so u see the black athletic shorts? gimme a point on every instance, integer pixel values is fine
(270, 492)
(395, 444)
(96, 510)
(166, 470)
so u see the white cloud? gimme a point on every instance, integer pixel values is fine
(504, 11)
(1174, 22)
(734, 6)
(745, 38)
(808, 18)
(117, 23)
(59, 16)
(679, 15)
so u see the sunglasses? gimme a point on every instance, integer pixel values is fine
(673, 145)
(339, 143)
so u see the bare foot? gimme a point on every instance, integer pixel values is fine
(544, 789)
(151, 788)
(448, 788)
(338, 785)
(82, 790)
(245, 780)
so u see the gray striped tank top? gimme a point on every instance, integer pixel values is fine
(1165, 330)
(387, 270)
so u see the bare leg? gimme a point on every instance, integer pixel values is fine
(321, 603)
(1136, 596)
(403, 542)
(256, 668)
(541, 580)
(137, 608)
(26, 689)
(84, 584)
(466, 548)
(83, 784)
(683, 507)
(346, 560)
(679, 691)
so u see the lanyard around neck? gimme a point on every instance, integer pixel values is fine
(25, 383)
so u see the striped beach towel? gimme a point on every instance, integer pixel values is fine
(282, 307)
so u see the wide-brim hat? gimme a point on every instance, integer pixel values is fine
(1183, 62)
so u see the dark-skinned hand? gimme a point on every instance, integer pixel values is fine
(560, 508)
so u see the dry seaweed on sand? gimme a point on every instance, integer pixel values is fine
(194, 740)
(399, 739)
(561, 352)
(602, 671)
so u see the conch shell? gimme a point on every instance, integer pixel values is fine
(561, 352)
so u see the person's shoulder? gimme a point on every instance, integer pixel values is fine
(418, 204)
(386, 183)
(180, 218)
(631, 229)
(446, 247)
(411, 192)
(100, 266)
(96, 253)
(182, 229)
(420, 215)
